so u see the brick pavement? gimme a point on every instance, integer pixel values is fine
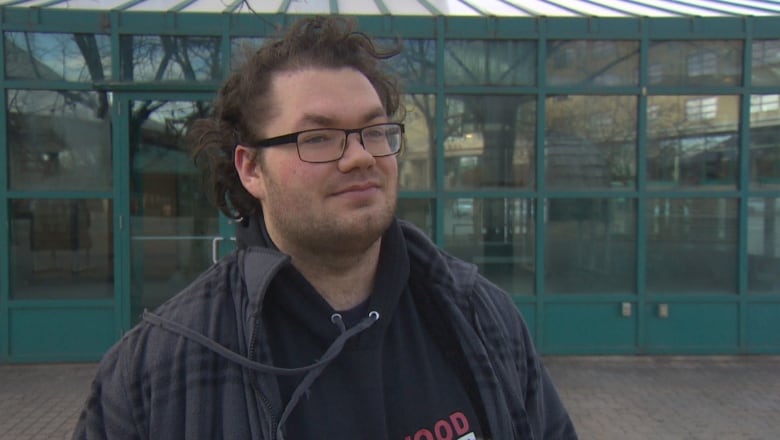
(620, 398)
(42, 401)
(676, 398)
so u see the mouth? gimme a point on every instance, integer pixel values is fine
(358, 190)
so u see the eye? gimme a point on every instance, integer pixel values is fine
(375, 133)
(319, 137)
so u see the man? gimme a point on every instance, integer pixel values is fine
(333, 320)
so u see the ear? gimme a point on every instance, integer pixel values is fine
(245, 161)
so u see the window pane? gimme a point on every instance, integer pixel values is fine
(166, 187)
(169, 58)
(59, 140)
(417, 211)
(691, 245)
(593, 62)
(69, 57)
(415, 164)
(764, 245)
(765, 141)
(489, 141)
(590, 142)
(171, 221)
(496, 234)
(61, 249)
(416, 64)
(692, 141)
(766, 63)
(163, 266)
(695, 63)
(590, 246)
(472, 62)
(242, 48)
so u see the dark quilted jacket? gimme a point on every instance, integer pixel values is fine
(162, 383)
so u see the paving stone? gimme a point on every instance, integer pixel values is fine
(671, 397)
(609, 397)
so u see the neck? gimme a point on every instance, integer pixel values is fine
(343, 279)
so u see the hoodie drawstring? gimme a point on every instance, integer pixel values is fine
(330, 354)
(312, 371)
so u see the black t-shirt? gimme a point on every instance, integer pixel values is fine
(391, 381)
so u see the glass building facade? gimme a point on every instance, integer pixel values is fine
(618, 175)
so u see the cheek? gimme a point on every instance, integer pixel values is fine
(294, 179)
(291, 177)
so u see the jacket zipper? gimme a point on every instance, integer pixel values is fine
(271, 416)
(269, 408)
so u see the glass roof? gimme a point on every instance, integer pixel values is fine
(498, 8)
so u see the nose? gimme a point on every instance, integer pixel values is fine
(355, 154)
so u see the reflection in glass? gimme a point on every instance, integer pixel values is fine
(489, 141)
(763, 245)
(695, 63)
(496, 234)
(163, 266)
(590, 246)
(590, 142)
(593, 62)
(243, 48)
(172, 223)
(490, 62)
(61, 249)
(765, 141)
(692, 141)
(417, 211)
(59, 140)
(691, 245)
(766, 63)
(69, 57)
(416, 64)
(415, 163)
(169, 58)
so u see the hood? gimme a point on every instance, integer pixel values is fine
(251, 232)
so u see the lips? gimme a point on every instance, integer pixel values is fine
(357, 188)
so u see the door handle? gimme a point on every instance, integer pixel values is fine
(663, 311)
(215, 248)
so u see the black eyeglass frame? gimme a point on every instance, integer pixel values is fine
(292, 138)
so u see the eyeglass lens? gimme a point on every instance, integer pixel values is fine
(328, 144)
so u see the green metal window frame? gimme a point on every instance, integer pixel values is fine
(441, 29)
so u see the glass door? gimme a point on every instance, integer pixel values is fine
(174, 231)
(61, 303)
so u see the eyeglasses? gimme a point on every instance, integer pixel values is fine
(328, 144)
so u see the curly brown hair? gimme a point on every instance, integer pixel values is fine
(242, 105)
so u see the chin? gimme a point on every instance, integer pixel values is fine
(369, 227)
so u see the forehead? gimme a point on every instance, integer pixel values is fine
(323, 95)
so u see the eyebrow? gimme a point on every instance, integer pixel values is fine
(325, 121)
